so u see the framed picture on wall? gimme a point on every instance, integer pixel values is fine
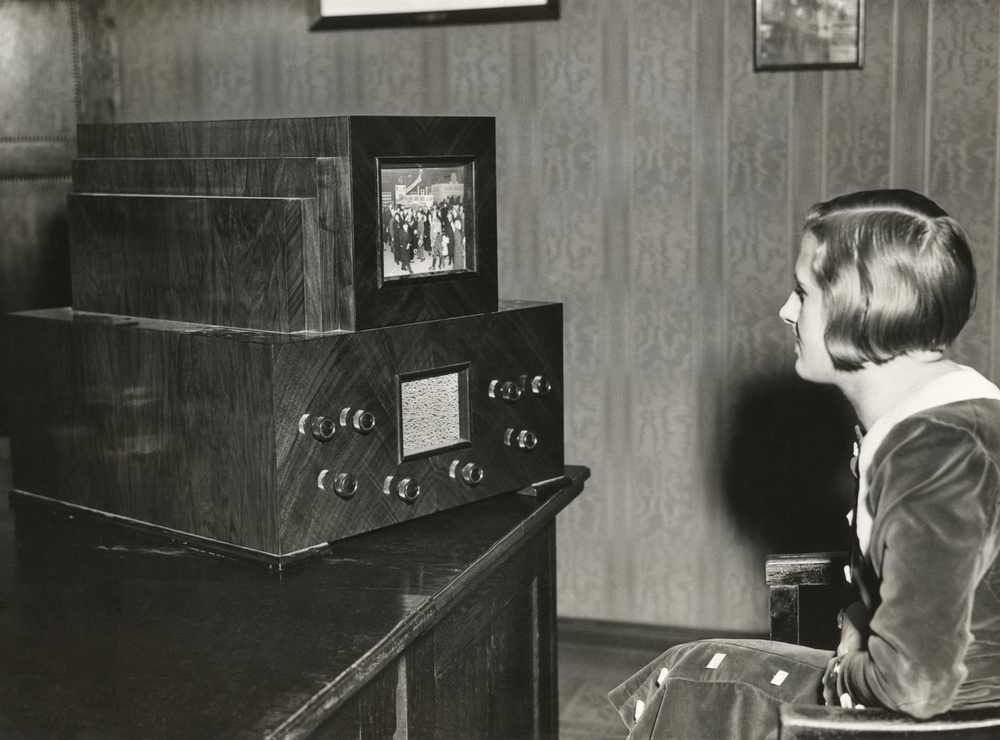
(809, 34)
(341, 14)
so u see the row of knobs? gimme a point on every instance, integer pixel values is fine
(345, 485)
(323, 428)
(511, 390)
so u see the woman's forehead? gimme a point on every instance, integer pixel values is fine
(807, 255)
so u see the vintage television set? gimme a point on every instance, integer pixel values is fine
(250, 367)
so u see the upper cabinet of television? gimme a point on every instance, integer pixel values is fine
(287, 225)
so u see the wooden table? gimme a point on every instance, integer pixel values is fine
(442, 627)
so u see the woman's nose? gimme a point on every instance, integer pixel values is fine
(789, 313)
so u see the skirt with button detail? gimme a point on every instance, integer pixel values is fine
(720, 690)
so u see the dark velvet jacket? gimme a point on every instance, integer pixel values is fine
(931, 576)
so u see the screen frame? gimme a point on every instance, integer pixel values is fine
(367, 302)
(461, 369)
(465, 162)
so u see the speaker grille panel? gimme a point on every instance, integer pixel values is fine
(431, 413)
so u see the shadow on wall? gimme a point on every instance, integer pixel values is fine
(786, 475)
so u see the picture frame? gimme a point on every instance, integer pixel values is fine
(808, 34)
(328, 15)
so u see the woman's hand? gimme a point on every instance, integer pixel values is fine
(853, 636)
(830, 695)
(854, 631)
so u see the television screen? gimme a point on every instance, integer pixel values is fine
(426, 222)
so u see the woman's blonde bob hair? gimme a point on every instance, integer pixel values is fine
(896, 274)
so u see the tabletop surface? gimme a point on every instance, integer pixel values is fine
(106, 632)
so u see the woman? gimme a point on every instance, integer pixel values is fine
(884, 283)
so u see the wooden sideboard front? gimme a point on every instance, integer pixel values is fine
(441, 627)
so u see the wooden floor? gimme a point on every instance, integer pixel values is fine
(586, 674)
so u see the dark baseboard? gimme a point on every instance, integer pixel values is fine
(637, 636)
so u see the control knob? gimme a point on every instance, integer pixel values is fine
(472, 474)
(540, 385)
(323, 428)
(363, 421)
(406, 488)
(345, 485)
(526, 439)
(509, 391)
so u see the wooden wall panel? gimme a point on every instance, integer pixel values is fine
(59, 66)
(655, 184)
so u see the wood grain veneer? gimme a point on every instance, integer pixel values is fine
(286, 177)
(318, 183)
(223, 261)
(196, 429)
(166, 428)
(268, 137)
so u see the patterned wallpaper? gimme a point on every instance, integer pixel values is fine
(653, 183)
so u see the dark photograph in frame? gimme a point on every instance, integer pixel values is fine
(809, 34)
(326, 15)
(427, 219)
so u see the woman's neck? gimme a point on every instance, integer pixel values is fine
(876, 389)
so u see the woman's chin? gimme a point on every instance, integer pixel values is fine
(813, 374)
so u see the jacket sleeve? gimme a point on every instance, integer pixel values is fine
(936, 489)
